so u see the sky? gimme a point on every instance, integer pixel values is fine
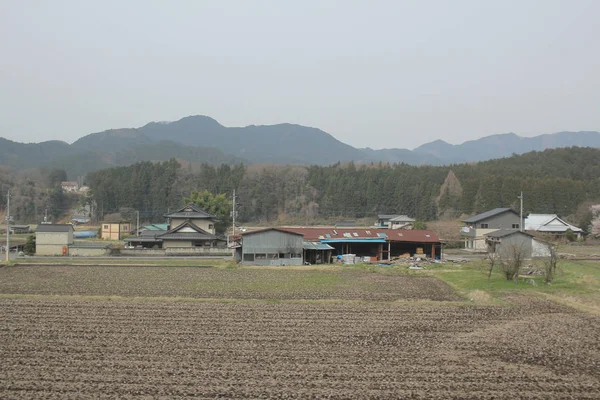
(379, 74)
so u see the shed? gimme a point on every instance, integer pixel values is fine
(53, 239)
(504, 242)
(272, 246)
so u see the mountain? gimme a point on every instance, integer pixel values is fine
(201, 139)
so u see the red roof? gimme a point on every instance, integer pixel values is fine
(393, 235)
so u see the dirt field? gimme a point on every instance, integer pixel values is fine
(57, 346)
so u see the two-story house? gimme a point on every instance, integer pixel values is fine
(476, 227)
(189, 227)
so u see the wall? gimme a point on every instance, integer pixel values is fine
(49, 249)
(54, 238)
(519, 240)
(200, 223)
(539, 249)
(477, 242)
(502, 221)
(176, 243)
(198, 251)
(142, 252)
(89, 251)
(273, 242)
(113, 231)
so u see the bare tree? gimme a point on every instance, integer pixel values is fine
(550, 264)
(510, 260)
(492, 259)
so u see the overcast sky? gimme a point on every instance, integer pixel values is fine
(372, 73)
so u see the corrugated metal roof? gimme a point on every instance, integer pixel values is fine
(544, 223)
(488, 214)
(394, 235)
(270, 229)
(317, 246)
(186, 236)
(505, 232)
(355, 240)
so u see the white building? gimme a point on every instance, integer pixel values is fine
(550, 224)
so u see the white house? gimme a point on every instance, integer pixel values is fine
(551, 224)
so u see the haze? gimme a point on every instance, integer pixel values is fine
(380, 74)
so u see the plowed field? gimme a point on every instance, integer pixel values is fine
(57, 347)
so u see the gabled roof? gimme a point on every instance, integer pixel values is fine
(190, 211)
(54, 228)
(488, 214)
(402, 218)
(271, 229)
(500, 233)
(186, 231)
(386, 216)
(548, 223)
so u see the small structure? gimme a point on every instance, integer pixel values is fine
(476, 227)
(317, 252)
(271, 246)
(115, 230)
(550, 224)
(53, 239)
(505, 242)
(69, 186)
(401, 222)
(20, 229)
(383, 220)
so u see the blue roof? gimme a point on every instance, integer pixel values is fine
(354, 240)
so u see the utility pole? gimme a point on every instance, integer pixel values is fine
(233, 212)
(7, 224)
(521, 215)
(137, 231)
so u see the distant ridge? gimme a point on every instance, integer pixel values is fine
(201, 138)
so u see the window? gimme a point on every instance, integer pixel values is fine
(368, 232)
(125, 227)
(211, 226)
(273, 256)
(248, 257)
(105, 226)
(334, 232)
(484, 226)
(383, 235)
(347, 234)
(282, 255)
(328, 236)
(297, 255)
(355, 234)
(260, 256)
(515, 226)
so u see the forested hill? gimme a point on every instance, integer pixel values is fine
(553, 181)
(201, 139)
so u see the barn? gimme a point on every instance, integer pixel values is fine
(271, 246)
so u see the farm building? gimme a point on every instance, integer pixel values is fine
(115, 230)
(271, 247)
(53, 239)
(504, 242)
(378, 244)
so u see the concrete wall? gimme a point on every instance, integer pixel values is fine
(539, 249)
(89, 251)
(142, 252)
(477, 241)
(200, 223)
(54, 238)
(198, 251)
(49, 249)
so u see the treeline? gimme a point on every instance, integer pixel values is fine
(553, 181)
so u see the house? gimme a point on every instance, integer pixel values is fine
(394, 221)
(20, 228)
(115, 230)
(190, 227)
(477, 226)
(401, 222)
(53, 239)
(505, 242)
(271, 246)
(383, 220)
(550, 224)
(69, 186)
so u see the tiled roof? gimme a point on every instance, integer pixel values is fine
(190, 211)
(488, 214)
(177, 233)
(543, 223)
